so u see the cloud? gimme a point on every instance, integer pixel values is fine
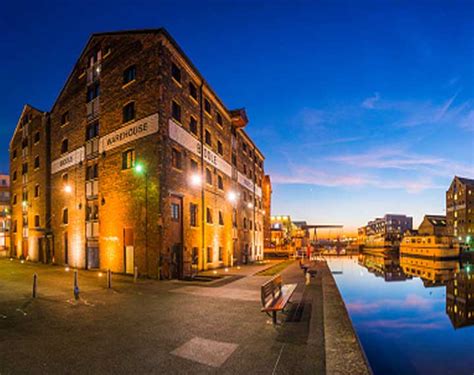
(370, 102)
(395, 157)
(411, 301)
(401, 324)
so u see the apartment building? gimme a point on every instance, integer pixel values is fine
(460, 208)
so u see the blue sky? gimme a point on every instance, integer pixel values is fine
(361, 108)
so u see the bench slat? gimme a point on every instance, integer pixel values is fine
(281, 301)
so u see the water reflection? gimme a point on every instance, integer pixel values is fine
(460, 298)
(413, 314)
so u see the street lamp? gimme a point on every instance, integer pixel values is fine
(140, 169)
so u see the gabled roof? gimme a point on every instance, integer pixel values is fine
(436, 220)
(26, 107)
(466, 181)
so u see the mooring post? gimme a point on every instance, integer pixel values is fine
(35, 284)
(135, 274)
(109, 279)
(76, 286)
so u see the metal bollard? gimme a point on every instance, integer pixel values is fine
(35, 284)
(76, 286)
(135, 274)
(109, 279)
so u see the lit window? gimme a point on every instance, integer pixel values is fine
(174, 212)
(128, 159)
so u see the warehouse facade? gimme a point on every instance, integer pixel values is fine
(138, 164)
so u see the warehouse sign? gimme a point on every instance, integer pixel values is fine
(68, 160)
(129, 133)
(181, 136)
(189, 142)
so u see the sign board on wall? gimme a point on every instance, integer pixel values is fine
(129, 133)
(68, 160)
(181, 136)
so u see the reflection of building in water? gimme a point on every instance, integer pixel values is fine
(460, 299)
(433, 272)
(384, 264)
(431, 240)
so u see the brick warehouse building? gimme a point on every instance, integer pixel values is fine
(138, 163)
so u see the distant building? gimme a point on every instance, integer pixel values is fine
(386, 231)
(4, 214)
(460, 208)
(460, 299)
(430, 240)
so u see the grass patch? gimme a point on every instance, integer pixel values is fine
(276, 269)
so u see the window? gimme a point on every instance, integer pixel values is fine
(37, 191)
(234, 159)
(221, 218)
(14, 199)
(14, 175)
(65, 178)
(37, 162)
(219, 119)
(128, 112)
(176, 72)
(176, 111)
(93, 92)
(129, 74)
(195, 256)
(64, 146)
(208, 215)
(128, 159)
(193, 91)
(221, 253)
(24, 143)
(37, 137)
(24, 169)
(209, 255)
(65, 216)
(65, 117)
(15, 226)
(208, 138)
(176, 159)
(244, 146)
(220, 148)
(37, 221)
(92, 130)
(193, 127)
(245, 223)
(207, 106)
(92, 211)
(194, 165)
(193, 214)
(174, 211)
(14, 154)
(220, 182)
(208, 176)
(92, 172)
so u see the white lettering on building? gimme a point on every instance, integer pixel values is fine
(68, 160)
(129, 133)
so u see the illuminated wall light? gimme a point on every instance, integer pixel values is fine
(67, 269)
(232, 196)
(195, 180)
(249, 205)
(68, 189)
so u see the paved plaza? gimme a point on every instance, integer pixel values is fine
(152, 326)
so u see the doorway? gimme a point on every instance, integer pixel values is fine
(176, 237)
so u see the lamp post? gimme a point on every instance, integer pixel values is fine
(140, 169)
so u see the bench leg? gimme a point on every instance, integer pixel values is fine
(274, 317)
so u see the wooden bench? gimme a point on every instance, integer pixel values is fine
(275, 296)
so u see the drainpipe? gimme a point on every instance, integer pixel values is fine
(203, 209)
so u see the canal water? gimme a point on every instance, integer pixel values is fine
(412, 315)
